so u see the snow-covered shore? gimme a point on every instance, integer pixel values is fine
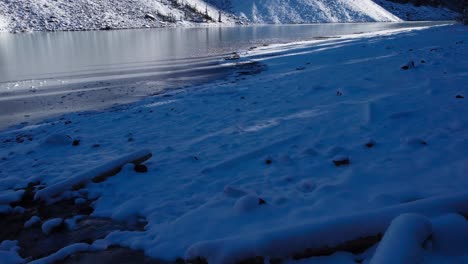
(303, 133)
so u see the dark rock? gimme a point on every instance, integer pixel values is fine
(198, 260)
(140, 168)
(58, 229)
(370, 144)
(150, 17)
(110, 256)
(261, 201)
(341, 162)
(268, 161)
(255, 260)
(23, 138)
(249, 68)
(459, 96)
(233, 56)
(408, 66)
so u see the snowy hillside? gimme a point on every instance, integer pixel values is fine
(411, 12)
(310, 11)
(49, 15)
(3, 23)
(33, 15)
(313, 11)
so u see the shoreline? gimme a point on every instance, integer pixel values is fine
(59, 90)
(225, 25)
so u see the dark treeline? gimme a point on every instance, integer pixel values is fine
(456, 5)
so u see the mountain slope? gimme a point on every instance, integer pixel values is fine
(48, 15)
(54, 15)
(3, 23)
(409, 11)
(309, 11)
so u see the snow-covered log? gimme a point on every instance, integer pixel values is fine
(96, 174)
(318, 237)
(403, 241)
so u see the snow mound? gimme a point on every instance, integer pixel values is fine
(403, 240)
(9, 252)
(51, 224)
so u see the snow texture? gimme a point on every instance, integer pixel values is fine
(8, 197)
(51, 224)
(403, 241)
(311, 11)
(450, 234)
(32, 221)
(274, 135)
(331, 232)
(9, 253)
(48, 193)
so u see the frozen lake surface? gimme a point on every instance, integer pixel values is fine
(45, 74)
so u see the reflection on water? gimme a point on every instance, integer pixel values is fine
(36, 55)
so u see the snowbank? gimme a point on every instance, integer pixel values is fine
(403, 241)
(318, 236)
(95, 174)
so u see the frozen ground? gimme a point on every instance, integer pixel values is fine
(262, 162)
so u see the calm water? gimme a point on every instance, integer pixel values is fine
(43, 74)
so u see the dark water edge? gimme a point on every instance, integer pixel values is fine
(47, 74)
